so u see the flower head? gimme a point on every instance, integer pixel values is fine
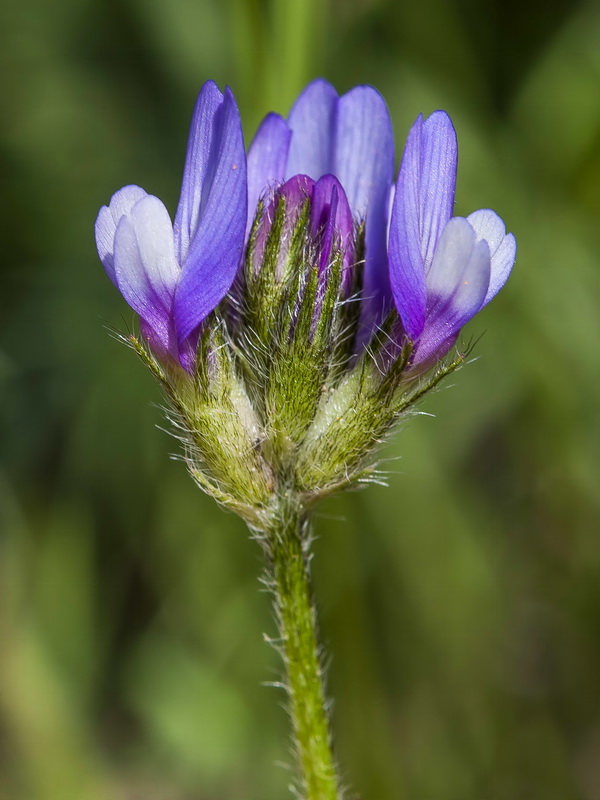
(336, 288)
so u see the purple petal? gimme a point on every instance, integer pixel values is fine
(423, 203)
(503, 247)
(439, 152)
(364, 149)
(364, 163)
(109, 217)
(217, 236)
(295, 191)
(267, 159)
(456, 287)
(204, 152)
(312, 121)
(145, 265)
(331, 218)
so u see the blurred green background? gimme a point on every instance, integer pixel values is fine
(461, 606)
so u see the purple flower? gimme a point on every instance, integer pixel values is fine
(173, 276)
(443, 269)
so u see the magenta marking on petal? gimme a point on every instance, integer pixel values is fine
(331, 219)
(296, 190)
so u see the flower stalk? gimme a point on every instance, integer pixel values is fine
(287, 545)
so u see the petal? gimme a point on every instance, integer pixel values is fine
(312, 121)
(423, 203)
(267, 159)
(295, 190)
(109, 217)
(145, 265)
(406, 267)
(456, 287)
(294, 193)
(503, 247)
(331, 218)
(439, 152)
(217, 241)
(364, 163)
(206, 150)
(364, 148)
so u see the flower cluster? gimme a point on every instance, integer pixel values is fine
(301, 291)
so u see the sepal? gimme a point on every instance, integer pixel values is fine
(214, 419)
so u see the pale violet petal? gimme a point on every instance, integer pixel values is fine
(145, 266)
(154, 231)
(267, 160)
(312, 121)
(364, 164)
(503, 247)
(456, 287)
(108, 218)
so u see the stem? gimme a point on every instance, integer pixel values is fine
(288, 555)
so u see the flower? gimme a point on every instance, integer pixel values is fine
(336, 154)
(337, 289)
(443, 269)
(173, 275)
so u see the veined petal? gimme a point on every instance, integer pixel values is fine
(456, 287)
(217, 240)
(312, 122)
(108, 218)
(503, 247)
(215, 118)
(364, 163)
(267, 159)
(423, 202)
(439, 153)
(364, 149)
(405, 260)
(146, 269)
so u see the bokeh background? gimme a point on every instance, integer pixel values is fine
(461, 605)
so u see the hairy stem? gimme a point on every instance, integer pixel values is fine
(288, 556)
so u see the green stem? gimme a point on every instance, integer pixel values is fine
(288, 545)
